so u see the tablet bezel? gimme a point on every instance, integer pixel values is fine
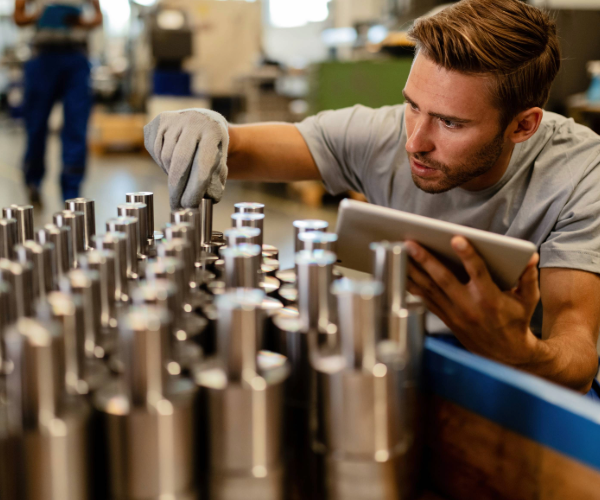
(359, 224)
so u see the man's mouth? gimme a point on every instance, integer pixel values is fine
(420, 169)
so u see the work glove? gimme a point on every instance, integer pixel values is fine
(191, 147)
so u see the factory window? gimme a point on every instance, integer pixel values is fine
(117, 14)
(294, 13)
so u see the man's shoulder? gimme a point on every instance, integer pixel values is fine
(560, 139)
(559, 127)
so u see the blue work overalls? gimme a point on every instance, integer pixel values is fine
(57, 74)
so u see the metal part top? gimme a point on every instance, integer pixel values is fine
(239, 333)
(311, 225)
(88, 208)
(317, 240)
(37, 382)
(206, 221)
(249, 207)
(23, 214)
(8, 237)
(242, 266)
(245, 219)
(145, 336)
(146, 197)
(357, 313)
(315, 257)
(390, 267)
(237, 235)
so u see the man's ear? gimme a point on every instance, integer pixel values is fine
(525, 124)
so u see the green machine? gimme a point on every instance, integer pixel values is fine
(373, 83)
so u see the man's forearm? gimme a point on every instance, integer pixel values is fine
(567, 359)
(270, 152)
(21, 17)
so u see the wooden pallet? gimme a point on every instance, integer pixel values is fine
(116, 132)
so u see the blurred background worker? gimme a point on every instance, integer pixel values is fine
(59, 70)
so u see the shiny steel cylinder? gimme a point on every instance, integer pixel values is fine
(67, 311)
(172, 270)
(149, 426)
(249, 208)
(89, 216)
(163, 295)
(256, 220)
(5, 320)
(180, 249)
(147, 198)
(314, 276)
(42, 259)
(190, 216)
(21, 279)
(361, 402)
(140, 212)
(8, 237)
(76, 222)
(236, 236)
(85, 284)
(317, 240)
(305, 226)
(358, 303)
(117, 243)
(103, 262)
(23, 214)
(206, 221)
(242, 266)
(50, 430)
(301, 339)
(60, 237)
(127, 226)
(185, 231)
(244, 405)
(390, 267)
(415, 336)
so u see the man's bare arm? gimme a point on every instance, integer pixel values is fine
(95, 20)
(270, 152)
(571, 301)
(21, 17)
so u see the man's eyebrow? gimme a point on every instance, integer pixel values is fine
(455, 119)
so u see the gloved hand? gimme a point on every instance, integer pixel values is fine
(191, 147)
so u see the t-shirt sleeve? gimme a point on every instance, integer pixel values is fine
(574, 242)
(343, 143)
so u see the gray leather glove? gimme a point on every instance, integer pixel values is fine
(191, 147)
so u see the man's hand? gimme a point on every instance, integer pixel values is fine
(191, 147)
(485, 319)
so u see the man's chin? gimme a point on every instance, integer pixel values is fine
(430, 186)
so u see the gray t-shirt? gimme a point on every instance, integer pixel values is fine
(549, 194)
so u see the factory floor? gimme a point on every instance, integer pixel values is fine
(112, 175)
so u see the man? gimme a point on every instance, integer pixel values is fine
(471, 146)
(59, 70)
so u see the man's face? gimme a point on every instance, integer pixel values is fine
(453, 129)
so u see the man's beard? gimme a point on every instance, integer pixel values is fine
(479, 163)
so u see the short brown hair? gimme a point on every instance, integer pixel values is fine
(512, 41)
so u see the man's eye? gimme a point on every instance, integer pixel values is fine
(413, 106)
(450, 124)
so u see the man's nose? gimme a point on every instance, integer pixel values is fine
(419, 140)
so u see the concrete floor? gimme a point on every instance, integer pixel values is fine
(109, 177)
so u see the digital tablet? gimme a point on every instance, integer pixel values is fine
(359, 224)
